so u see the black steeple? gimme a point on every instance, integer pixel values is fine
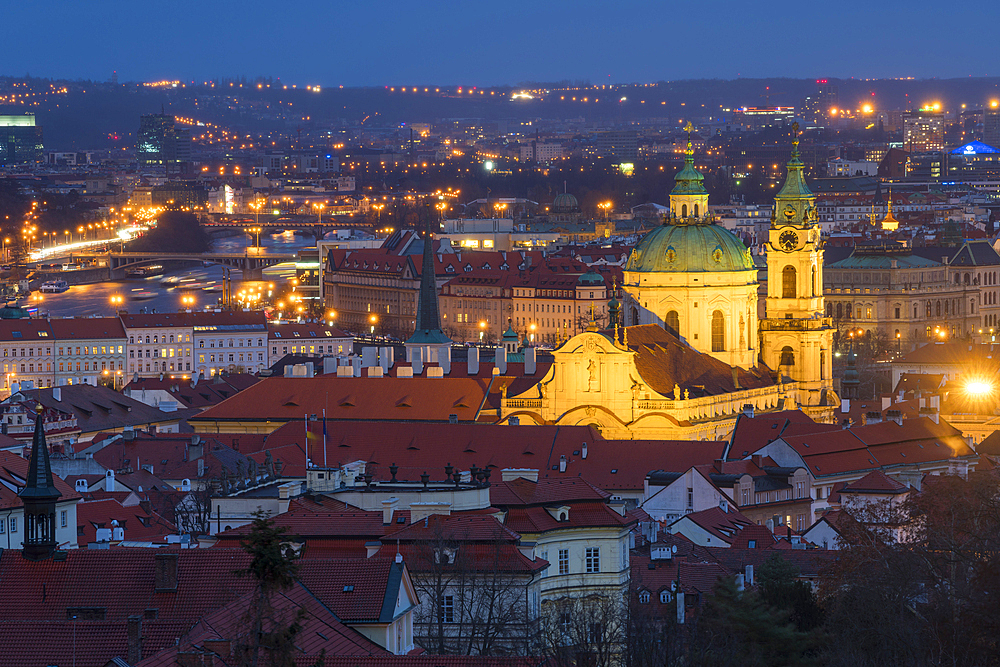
(428, 328)
(39, 496)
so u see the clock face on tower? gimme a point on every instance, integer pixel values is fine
(788, 240)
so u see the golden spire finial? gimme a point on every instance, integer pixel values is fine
(689, 128)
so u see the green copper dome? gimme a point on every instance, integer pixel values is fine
(564, 202)
(689, 248)
(590, 278)
(689, 180)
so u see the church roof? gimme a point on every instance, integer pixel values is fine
(664, 361)
(688, 180)
(689, 248)
(39, 482)
(795, 183)
(428, 328)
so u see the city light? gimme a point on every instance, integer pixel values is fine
(978, 388)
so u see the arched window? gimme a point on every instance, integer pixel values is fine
(788, 282)
(787, 356)
(829, 309)
(673, 323)
(939, 309)
(847, 310)
(684, 210)
(718, 332)
(696, 210)
(814, 281)
(840, 310)
(946, 304)
(635, 316)
(966, 278)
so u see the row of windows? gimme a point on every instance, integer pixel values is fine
(27, 368)
(592, 560)
(86, 366)
(103, 349)
(160, 339)
(157, 352)
(31, 352)
(249, 357)
(157, 366)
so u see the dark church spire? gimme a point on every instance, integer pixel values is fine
(39, 496)
(428, 328)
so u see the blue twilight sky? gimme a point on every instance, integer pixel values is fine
(471, 42)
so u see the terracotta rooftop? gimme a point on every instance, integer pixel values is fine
(281, 399)
(876, 482)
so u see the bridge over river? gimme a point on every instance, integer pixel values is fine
(250, 264)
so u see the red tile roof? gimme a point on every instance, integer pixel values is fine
(87, 328)
(321, 633)
(753, 433)
(139, 525)
(418, 447)
(718, 523)
(523, 491)
(254, 319)
(876, 482)
(14, 472)
(281, 399)
(355, 589)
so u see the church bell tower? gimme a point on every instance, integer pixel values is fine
(39, 496)
(796, 338)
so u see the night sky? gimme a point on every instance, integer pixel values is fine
(487, 43)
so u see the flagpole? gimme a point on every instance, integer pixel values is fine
(324, 437)
(305, 419)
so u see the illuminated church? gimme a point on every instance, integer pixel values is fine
(693, 354)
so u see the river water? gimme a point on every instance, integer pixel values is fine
(96, 299)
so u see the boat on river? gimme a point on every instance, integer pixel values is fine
(54, 287)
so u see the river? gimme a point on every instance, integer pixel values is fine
(96, 299)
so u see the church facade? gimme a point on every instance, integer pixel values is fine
(693, 354)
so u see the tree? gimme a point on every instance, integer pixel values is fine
(474, 600)
(916, 583)
(273, 569)
(589, 631)
(740, 628)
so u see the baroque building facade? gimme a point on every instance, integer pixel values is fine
(695, 355)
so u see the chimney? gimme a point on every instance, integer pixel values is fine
(444, 360)
(680, 607)
(368, 356)
(197, 448)
(501, 360)
(895, 415)
(134, 639)
(81, 486)
(57, 394)
(417, 360)
(583, 450)
(529, 361)
(109, 481)
(146, 506)
(874, 417)
(117, 531)
(386, 358)
(473, 361)
(748, 410)
(749, 573)
(886, 402)
(845, 405)
(756, 459)
(388, 509)
(201, 468)
(165, 573)
(562, 463)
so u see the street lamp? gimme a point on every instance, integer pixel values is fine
(378, 209)
(319, 211)
(532, 333)
(605, 206)
(374, 320)
(482, 330)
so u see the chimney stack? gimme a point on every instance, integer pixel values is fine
(134, 633)
(165, 573)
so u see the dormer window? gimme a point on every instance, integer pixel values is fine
(644, 597)
(664, 597)
(563, 516)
